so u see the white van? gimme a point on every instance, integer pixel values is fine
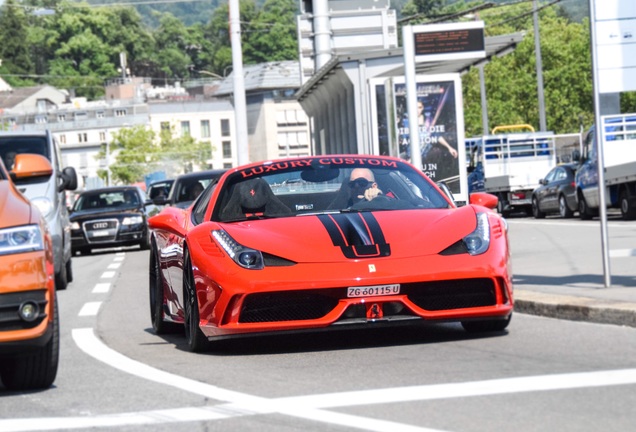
(47, 192)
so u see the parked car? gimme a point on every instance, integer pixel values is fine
(159, 189)
(187, 187)
(29, 320)
(257, 255)
(46, 191)
(111, 217)
(557, 193)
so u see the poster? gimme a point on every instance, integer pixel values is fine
(439, 131)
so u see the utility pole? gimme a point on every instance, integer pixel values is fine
(537, 48)
(240, 103)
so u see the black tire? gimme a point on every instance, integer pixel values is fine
(564, 210)
(486, 325)
(144, 244)
(628, 212)
(36, 370)
(195, 339)
(536, 211)
(156, 297)
(69, 270)
(585, 213)
(501, 205)
(61, 278)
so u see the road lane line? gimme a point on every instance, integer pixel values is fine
(90, 309)
(107, 275)
(101, 288)
(622, 253)
(86, 340)
(466, 389)
(114, 266)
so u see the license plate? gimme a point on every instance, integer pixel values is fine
(376, 290)
(101, 233)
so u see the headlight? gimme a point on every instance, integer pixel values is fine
(21, 239)
(132, 220)
(75, 226)
(44, 205)
(245, 257)
(478, 241)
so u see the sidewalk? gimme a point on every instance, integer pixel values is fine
(581, 301)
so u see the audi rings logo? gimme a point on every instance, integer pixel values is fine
(100, 225)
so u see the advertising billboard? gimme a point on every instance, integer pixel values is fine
(440, 128)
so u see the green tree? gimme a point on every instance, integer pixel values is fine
(14, 52)
(511, 83)
(138, 151)
(272, 34)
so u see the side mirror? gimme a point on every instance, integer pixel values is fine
(543, 182)
(159, 201)
(484, 199)
(69, 179)
(29, 165)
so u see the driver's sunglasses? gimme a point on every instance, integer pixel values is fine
(360, 183)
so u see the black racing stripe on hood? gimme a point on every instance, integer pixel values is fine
(358, 235)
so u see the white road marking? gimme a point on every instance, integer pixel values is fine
(241, 402)
(309, 407)
(622, 253)
(101, 288)
(90, 309)
(108, 275)
(114, 266)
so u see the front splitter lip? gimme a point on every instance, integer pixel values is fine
(356, 324)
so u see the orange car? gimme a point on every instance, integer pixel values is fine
(29, 323)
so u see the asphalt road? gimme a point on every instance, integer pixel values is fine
(543, 374)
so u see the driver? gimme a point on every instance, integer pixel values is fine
(362, 185)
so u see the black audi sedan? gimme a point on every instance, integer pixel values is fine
(110, 217)
(557, 193)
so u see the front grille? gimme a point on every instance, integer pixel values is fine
(10, 303)
(101, 230)
(453, 294)
(286, 306)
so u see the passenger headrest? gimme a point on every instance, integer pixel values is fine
(254, 194)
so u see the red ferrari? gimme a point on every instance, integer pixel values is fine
(327, 241)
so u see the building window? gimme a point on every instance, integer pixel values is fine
(227, 165)
(185, 128)
(40, 119)
(165, 126)
(225, 127)
(102, 136)
(120, 112)
(205, 128)
(82, 137)
(63, 139)
(99, 114)
(227, 149)
(61, 117)
(80, 116)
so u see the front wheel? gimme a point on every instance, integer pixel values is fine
(197, 342)
(564, 210)
(36, 370)
(157, 298)
(585, 213)
(628, 212)
(536, 211)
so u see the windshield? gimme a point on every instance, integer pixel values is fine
(109, 199)
(284, 189)
(10, 146)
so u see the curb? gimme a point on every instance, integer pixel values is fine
(575, 308)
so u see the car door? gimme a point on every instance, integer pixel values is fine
(551, 198)
(543, 192)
